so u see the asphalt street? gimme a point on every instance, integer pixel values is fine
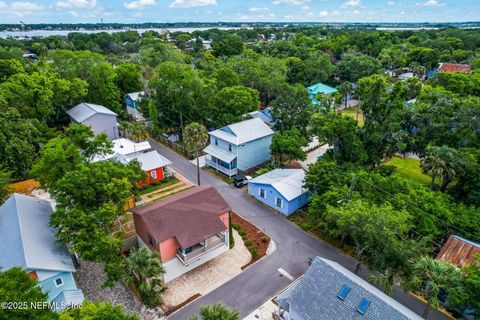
(295, 247)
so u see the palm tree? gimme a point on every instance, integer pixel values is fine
(442, 162)
(217, 312)
(138, 131)
(429, 277)
(144, 269)
(345, 88)
(195, 136)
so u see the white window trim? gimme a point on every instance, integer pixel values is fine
(264, 193)
(153, 174)
(281, 202)
(58, 285)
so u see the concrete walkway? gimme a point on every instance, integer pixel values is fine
(258, 283)
(209, 275)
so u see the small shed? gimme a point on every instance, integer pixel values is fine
(459, 251)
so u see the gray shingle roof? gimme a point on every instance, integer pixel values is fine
(26, 238)
(244, 131)
(83, 111)
(314, 296)
(288, 182)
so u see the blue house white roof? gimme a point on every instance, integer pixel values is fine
(84, 111)
(243, 132)
(26, 238)
(288, 182)
(135, 95)
(264, 114)
(329, 291)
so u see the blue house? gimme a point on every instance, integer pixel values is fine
(27, 241)
(239, 146)
(131, 101)
(317, 88)
(329, 291)
(281, 189)
(265, 115)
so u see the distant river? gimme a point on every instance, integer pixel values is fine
(46, 33)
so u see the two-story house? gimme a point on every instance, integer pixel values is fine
(239, 146)
(97, 117)
(131, 101)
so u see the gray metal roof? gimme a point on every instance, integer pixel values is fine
(220, 153)
(244, 131)
(83, 111)
(288, 182)
(314, 296)
(152, 160)
(26, 238)
(70, 298)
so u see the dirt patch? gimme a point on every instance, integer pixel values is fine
(255, 240)
(184, 303)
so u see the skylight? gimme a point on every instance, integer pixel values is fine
(363, 306)
(343, 292)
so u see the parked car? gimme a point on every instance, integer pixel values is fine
(240, 180)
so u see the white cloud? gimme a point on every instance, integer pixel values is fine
(192, 3)
(429, 3)
(26, 6)
(391, 3)
(289, 17)
(352, 3)
(324, 14)
(258, 9)
(71, 4)
(291, 2)
(139, 4)
(73, 13)
(305, 7)
(3, 5)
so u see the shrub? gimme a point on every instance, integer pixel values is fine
(241, 232)
(236, 226)
(231, 239)
(262, 171)
(244, 237)
(264, 239)
(253, 251)
(248, 243)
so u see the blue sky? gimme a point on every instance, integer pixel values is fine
(56, 11)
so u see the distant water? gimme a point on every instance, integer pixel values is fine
(46, 33)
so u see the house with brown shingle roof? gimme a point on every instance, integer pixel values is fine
(186, 229)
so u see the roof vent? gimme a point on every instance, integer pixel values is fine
(344, 290)
(363, 306)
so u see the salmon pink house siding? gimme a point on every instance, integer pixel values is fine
(168, 249)
(187, 229)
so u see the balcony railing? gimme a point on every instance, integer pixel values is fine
(227, 171)
(201, 248)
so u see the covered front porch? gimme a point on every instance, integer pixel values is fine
(221, 160)
(188, 255)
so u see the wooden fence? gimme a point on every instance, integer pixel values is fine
(129, 204)
(176, 147)
(26, 186)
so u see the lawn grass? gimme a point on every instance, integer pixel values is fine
(352, 112)
(163, 184)
(409, 168)
(153, 195)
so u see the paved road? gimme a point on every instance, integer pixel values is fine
(260, 282)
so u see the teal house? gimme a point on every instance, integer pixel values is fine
(317, 88)
(27, 241)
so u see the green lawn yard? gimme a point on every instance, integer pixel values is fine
(409, 168)
(352, 112)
